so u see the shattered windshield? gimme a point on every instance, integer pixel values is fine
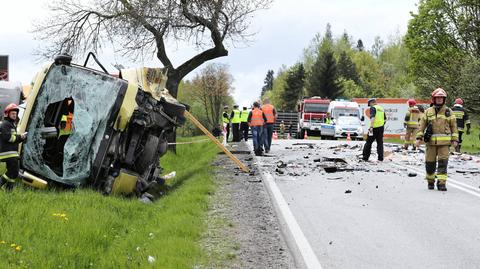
(67, 123)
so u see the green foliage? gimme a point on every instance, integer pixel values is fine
(350, 88)
(294, 87)
(323, 79)
(84, 229)
(268, 82)
(206, 94)
(347, 69)
(440, 38)
(279, 84)
(469, 85)
(371, 77)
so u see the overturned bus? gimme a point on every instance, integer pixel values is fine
(89, 128)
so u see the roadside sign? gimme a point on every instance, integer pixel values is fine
(395, 110)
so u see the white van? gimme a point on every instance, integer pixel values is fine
(344, 108)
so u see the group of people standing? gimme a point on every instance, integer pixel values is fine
(261, 120)
(439, 127)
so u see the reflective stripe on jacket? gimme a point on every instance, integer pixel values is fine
(268, 110)
(257, 118)
(444, 126)
(461, 116)
(413, 117)
(9, 139)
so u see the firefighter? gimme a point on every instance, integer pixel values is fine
(9, 140)
(226, 121)
(411, 123)
(235, 120)
(462, 121)
(256, 120)
(438, 129)
(244, 123)
(271, 115)
(375, 132)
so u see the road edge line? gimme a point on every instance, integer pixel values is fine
(309, 258)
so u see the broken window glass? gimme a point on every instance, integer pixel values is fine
(92, 96)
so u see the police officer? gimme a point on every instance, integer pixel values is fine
(244, 123)
(256, 120)
(440, 129)
(235, 120)
(375, 132)
(462, 121)
(226, 121)
(411, 123)
(9, 140)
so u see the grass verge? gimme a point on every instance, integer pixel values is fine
(84, 229)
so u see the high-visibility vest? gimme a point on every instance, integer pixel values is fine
(236, 116)
(379, 116)
(244, 115)
(67, 119)
(268, 110)
(412, 118)
(257, 117)
(225, 117)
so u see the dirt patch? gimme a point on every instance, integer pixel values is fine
(247, 232)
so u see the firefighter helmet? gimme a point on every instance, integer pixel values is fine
(411, 102)
(439, 93)
(459, 101)
(9, 108)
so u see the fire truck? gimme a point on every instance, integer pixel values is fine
(312, 112)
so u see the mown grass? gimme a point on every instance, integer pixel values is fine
(83, 229)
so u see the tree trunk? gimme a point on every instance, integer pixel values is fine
(172, 86)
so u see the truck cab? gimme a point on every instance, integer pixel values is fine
(89, 128)
(312, 112)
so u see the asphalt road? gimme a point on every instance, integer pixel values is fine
(374, 215)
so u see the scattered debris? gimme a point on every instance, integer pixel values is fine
(348, 191)
(334, 178)
(468, 171)
(281, 164)
(279, 171)
(331, 242)
(376, 187)
(412, 174)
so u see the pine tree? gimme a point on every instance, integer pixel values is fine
(347, 69)
(294, 86)
(323, 80)
(268, 82)
(360, 46)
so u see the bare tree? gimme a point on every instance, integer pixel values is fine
(142, 27)
(212, 88)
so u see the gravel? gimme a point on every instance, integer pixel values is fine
(243, 201)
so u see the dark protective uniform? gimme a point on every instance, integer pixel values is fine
(9, 140)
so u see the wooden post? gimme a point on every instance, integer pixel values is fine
(214, 139)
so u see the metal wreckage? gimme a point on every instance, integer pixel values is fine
(119, 129)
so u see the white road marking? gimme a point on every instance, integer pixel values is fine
(454, 183)
(309, 257)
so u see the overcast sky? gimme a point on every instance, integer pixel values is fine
(283, 31)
